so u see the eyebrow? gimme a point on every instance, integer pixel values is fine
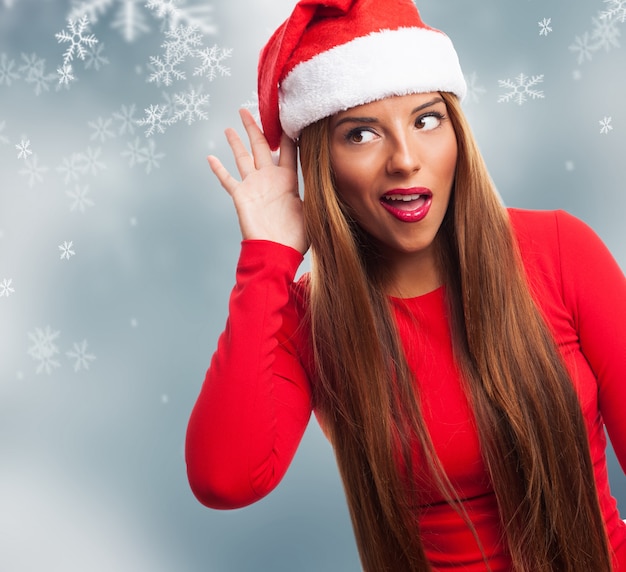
(353, 119)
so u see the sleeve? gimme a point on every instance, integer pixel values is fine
(595, 286)
(255, 402)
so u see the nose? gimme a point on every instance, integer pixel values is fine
(404, 155)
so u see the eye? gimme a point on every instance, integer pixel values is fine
(360, 135)
(429, 121)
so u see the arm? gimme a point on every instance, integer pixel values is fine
(595, 287)
(255, 402)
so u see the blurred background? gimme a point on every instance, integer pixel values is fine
(118, 250)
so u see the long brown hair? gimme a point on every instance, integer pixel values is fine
(532, 433)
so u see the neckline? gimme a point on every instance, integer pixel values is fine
(436, 293)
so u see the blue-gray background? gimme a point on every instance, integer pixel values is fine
(92, 473)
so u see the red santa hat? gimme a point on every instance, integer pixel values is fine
(330, 55)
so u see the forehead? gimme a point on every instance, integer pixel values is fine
(394, 104)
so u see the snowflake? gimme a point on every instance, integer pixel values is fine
(5, 287)
(165, 69)
(44, 349)
(7, 75)
(66, 250)
(126, 118)
(23, 149)
(606, 33)
(101, 129)
(94, 58)
(545, 26)
(163, 8)
(33, 171)
(521, 89)
(150, 157)
(616, 11)
(583, 47)
(130, 21)
(90, 161)
(252, 105)
(154, 120)
(474, 91)
(212, 62)
(191, 103)
(70, 168)
(3, 138)
(139, 155)
(34, 68)
(134, 152)
(80, 356)
(80, 199)
(183, 41)
(77, 38)
(65, 74)
(605, 125)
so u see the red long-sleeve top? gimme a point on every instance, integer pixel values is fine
(255, 402)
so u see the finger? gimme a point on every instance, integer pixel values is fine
(288, 153)
(243, 159)
(228, 182)
(258, 143)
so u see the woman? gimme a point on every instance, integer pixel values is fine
(456, 353)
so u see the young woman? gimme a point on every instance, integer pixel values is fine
(463, 359)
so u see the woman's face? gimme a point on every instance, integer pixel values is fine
(394, 162)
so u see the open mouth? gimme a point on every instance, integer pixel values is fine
(407, 205)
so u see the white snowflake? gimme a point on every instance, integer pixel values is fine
(183, 41)
(583, 46)
(66, 250)
(33, 170)
(3, 138)
(165, 70)
(65, 74)
(34, 69)
(154, 120)
(23, 149)
(191, 105)
(545, 27)
(90, 161)
(143, 155)
(70, 168)
(80, 356)
(616, 11)
(101, 129)
(163, 8)
(134, 152)
(605, 33)
(199, 16)
(7, 74)
(78, 38)
(252, 105)
(5, 287)
(130, 21)
(126, 119)
(474, 91)
(212, 59)
(605, 125)
(150, 157)
(43, 349)
(94, 58)
(521, 89)
(80, 200)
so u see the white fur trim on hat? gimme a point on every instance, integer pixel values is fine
(366, 69)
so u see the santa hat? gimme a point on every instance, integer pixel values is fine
(330, 55)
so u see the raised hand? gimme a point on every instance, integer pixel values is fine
(266, 199)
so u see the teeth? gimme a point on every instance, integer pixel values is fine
(406, 198)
